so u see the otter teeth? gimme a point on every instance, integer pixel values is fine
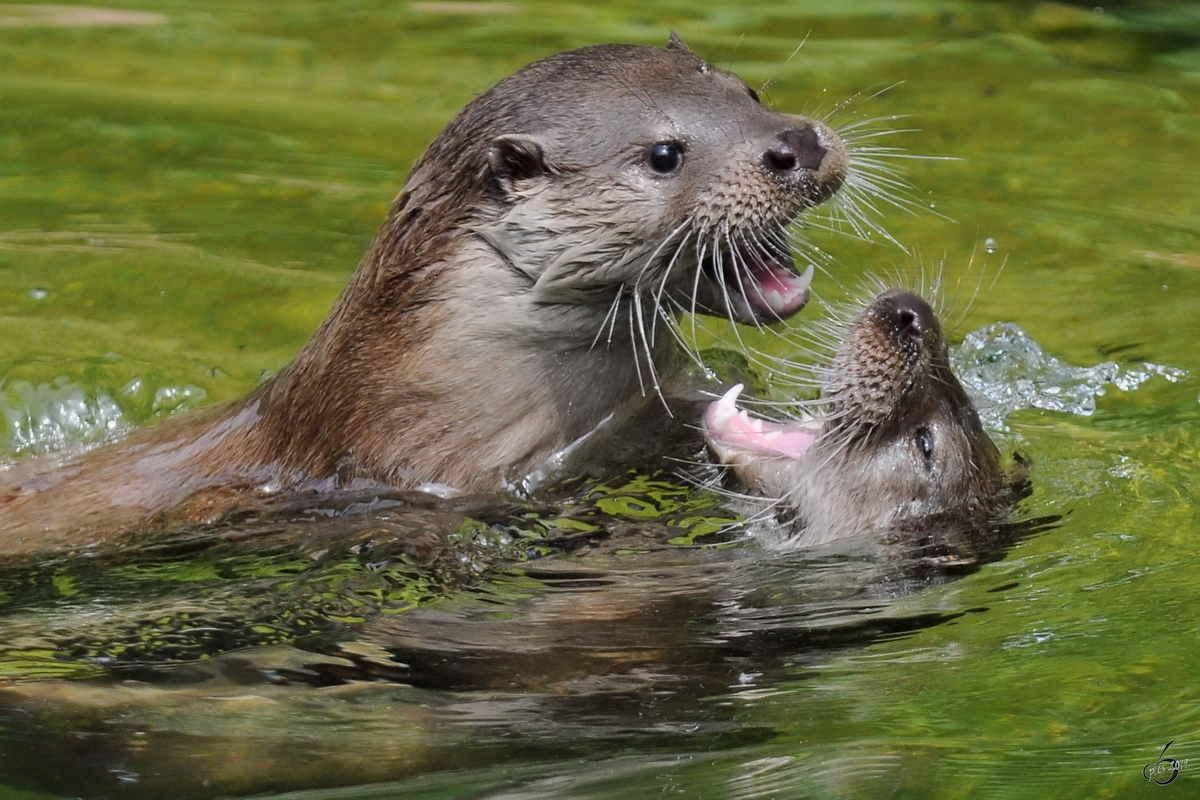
(803, 281)
(783, 291)
(726, 411)
(729, 428)
(726, 408)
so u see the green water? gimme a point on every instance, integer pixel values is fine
(179, 206)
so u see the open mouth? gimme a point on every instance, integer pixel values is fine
(731, 432)
(759, 285)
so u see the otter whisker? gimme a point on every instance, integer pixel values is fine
(637, 362)
(667, 272)
(701, 250)
(765, 85)
(648, 347)
(664, 312)
(860, 130)
(688, 348)
(862, 97)
(610, 319)
(875, 175)
(718, 257)
(740, 266)
(763, 507)
(862, 222)
(873, 190)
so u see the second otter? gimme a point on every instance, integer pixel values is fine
(898, 444)
(516, 297)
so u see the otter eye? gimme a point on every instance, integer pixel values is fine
(664, 157)
(924, 442)
(753, 95)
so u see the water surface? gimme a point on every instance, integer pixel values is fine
(183, 193)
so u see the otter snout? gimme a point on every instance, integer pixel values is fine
(798, 148)
(897, 443)
(808, 154)
(908, 315)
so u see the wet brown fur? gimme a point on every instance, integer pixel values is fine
(902, 448)
(492, 322)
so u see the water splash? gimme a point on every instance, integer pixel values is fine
(51, 416)
(1004, 370)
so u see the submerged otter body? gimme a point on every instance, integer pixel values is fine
(898, 444)
(518, 295)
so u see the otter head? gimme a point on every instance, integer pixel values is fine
(898, 443)
(620, 172)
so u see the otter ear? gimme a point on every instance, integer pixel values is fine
(515, 156)
(676, 44)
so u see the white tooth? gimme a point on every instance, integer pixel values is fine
(756, 425)
(727, 406)
(805, 279)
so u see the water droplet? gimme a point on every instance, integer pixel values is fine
(38, 294)
(933, 205)
(989, 245)
(1005, 370)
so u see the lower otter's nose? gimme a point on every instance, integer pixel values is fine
(796, 148)
(908, 314)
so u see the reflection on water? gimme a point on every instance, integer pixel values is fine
(385, 639)
(182, 196)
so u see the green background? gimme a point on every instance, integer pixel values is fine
(181, 201)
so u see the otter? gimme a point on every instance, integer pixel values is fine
(517, 298)
(897, 443)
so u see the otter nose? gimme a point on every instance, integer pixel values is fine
(796, 148)
(910, 315)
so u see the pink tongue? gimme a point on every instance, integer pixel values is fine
(772, 278)
(776, 289)
(735, 427)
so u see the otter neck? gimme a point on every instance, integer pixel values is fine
(467, 381)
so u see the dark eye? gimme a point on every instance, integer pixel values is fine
(664, 157)
(924, 442)
(753, 95)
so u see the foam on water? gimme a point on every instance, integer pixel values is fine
(51, 416)
(1004, 370)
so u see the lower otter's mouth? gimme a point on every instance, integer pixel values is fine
(732, 432)
(759, 285)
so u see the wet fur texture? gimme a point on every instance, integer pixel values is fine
(518, 295)
(902, 447)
